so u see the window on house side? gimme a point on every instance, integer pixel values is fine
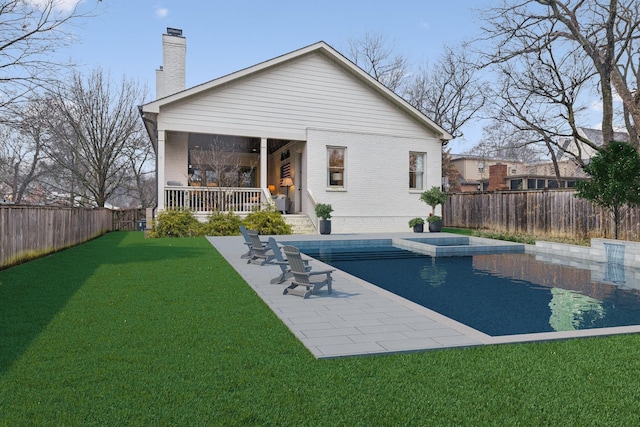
(417, 162)
(336, 170)
(516, 184)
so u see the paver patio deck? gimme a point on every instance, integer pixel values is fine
(359, 318)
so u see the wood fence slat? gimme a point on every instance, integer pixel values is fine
(543, 213)
(29, 231)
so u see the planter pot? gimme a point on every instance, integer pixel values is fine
(419, 228)
(435, 226)
(324, 226)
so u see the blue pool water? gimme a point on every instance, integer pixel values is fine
(498, 294)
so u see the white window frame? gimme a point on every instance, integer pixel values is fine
(420, 183)
(336, 175)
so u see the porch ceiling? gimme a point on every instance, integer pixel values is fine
(232, 143)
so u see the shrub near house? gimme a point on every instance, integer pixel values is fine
(182, 223)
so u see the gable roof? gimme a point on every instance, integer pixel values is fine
(320, 47)
(595, 136)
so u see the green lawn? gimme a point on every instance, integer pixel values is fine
(128, 331)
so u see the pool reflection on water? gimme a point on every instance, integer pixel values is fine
(498, 294)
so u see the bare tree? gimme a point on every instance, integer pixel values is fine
(451, 92)
(139, 184)
(502, 140)
(30, 32)
(450, 172)
(13, 151)
(605, 32)
(137, 188)
(373, 55)
(21, 151)
(629, 67)
(94, 125)
(538, 97)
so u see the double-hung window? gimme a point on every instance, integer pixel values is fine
(417, 164)
(336, 171)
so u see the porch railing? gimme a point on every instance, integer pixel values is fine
(212, 199)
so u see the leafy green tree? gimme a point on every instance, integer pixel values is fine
(433, 197)
(615, 180)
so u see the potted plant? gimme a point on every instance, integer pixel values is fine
(417, 224)
(435, 223)
(323, 212)
(434, 197)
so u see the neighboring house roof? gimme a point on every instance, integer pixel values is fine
(595, 136)
(459, 157)
(320, 47)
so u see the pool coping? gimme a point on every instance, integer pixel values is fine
(359, 318)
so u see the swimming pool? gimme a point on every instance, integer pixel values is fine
(496, 293)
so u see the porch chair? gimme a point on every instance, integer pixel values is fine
(302, 277)
(260, 251)
(247, 241)
(281, 262)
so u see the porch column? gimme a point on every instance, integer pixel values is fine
(160, 165)
(263, 163)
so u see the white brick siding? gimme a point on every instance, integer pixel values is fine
(171, 78)
(377, 195)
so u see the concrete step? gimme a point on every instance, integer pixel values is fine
(300, 224)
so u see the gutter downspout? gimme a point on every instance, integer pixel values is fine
(154, 126)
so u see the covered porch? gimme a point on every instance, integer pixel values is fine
(208, 173)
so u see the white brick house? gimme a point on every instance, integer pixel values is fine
(311, 115)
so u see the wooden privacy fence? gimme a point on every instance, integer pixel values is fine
(126, 219)
(555, 213)
(27, 232)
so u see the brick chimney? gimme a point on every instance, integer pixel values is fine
(171, 77)
(497, 177)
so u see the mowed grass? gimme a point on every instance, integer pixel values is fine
(131, 331)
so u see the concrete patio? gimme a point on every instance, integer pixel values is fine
(359, 318)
